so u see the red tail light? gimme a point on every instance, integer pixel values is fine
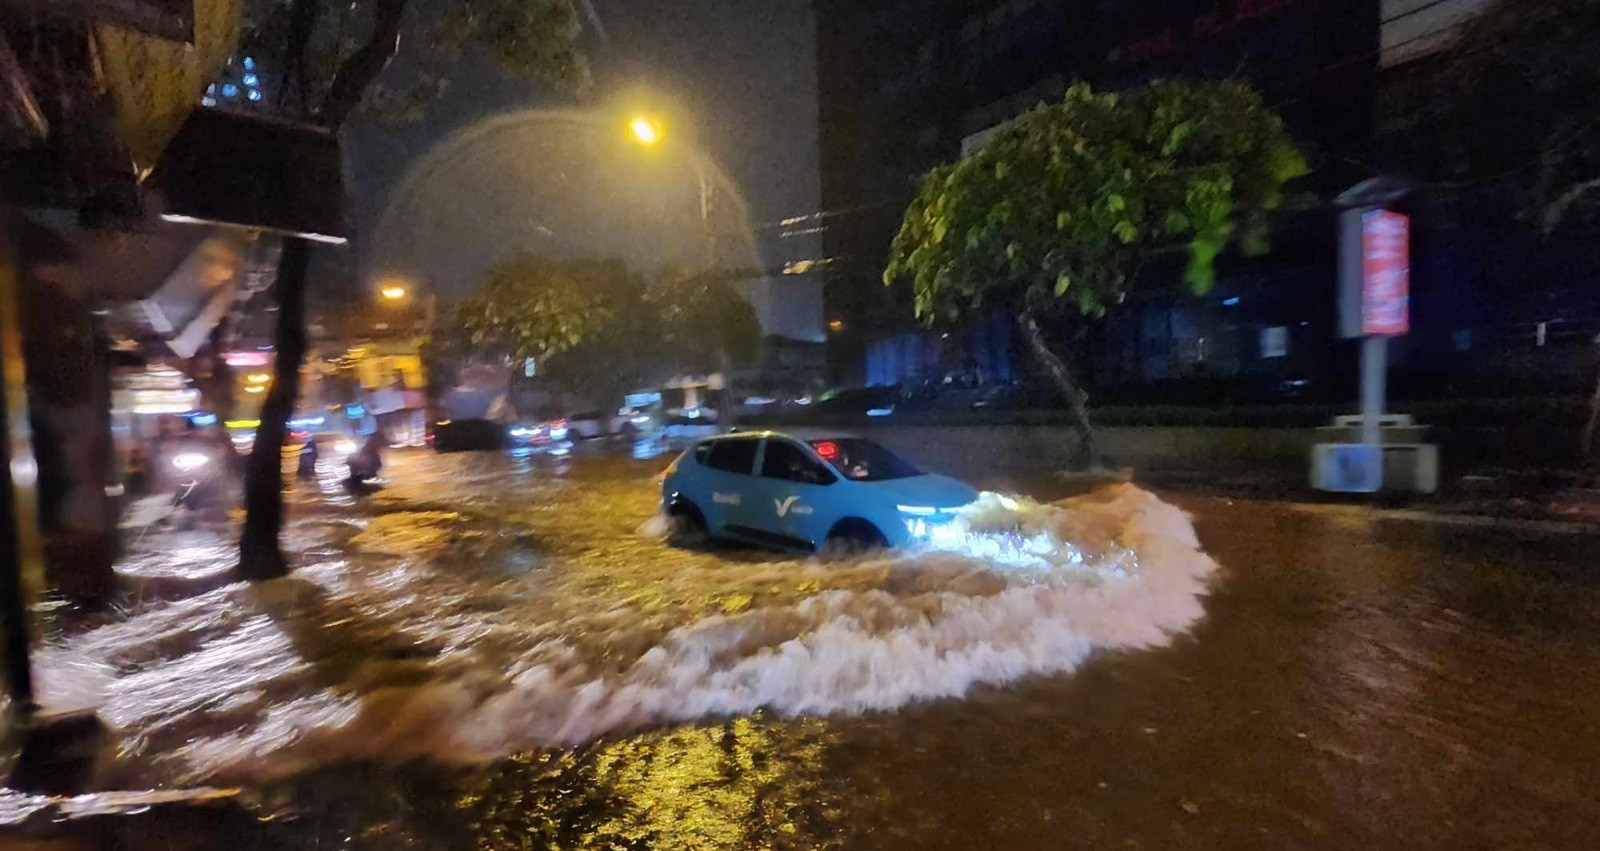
(827, 449)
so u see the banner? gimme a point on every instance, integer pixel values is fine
(1385, 273)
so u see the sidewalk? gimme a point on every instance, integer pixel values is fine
(1559, 500)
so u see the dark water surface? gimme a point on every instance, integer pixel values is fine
(1356, 683)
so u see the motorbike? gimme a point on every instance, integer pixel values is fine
(197, 480)
(365, 464)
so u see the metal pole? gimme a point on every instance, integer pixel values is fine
(1374, 372)
(21, 564)
(705, 216)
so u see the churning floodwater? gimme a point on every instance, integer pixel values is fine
(478, 607)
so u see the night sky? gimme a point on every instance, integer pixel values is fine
(733, 79)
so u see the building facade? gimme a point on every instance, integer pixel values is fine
(906, 84)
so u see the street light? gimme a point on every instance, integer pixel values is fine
(393, 292)
(645, 131)
(648, 132)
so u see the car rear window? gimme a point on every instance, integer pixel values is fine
(733, 456)
(863, 460)
(784, 460)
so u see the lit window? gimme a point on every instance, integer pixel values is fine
(251, 80)
(249, 64)
(255, 94)
(208, 101)
(229, 90)
(211, 89)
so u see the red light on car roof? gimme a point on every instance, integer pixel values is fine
(827, 449)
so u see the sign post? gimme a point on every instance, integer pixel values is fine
(1374, 296)
(1385, 307)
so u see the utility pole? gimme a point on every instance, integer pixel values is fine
(21, 561)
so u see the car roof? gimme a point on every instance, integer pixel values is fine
(803, 435)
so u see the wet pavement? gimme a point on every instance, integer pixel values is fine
(1353, 683)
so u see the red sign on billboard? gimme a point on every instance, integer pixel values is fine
(1385, 273)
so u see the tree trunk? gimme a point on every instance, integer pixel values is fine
(260, 554)
(362, 67)
(1586, 445)
(1061, 373)
(725, 417)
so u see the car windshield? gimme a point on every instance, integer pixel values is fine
(862, 460)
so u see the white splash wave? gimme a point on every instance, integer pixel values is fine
(404, 660)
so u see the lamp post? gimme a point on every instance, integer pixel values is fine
(648, 132)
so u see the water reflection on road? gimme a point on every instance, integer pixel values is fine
(1354, 683)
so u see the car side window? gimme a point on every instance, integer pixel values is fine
(702, 452)
(733, 456)
(784, 460)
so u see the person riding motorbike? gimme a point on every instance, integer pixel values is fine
(366, 462)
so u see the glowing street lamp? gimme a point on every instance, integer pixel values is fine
(393, 292)
(645, 131)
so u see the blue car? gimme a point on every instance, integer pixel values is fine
(780, 491)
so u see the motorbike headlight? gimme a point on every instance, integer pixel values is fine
(187, 461)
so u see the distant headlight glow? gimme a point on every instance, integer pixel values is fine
(187, 461)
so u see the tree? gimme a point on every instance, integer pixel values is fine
(532, 306)
(1524, 106)
(1524, 102)
(624, 353)
(329, 65)
(707, 325)
(1056, 216)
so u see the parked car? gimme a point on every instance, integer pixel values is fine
(876, 401)
(630, 423)
(778, 490)
(474, 435)
(550, 434)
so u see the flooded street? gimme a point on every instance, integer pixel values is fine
(498, 653)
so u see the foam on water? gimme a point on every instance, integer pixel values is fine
(421, 656)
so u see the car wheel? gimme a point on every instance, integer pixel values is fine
(853, 537)
(687, 526)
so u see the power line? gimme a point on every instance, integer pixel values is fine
(1409, 12)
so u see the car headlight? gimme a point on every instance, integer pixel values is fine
(186, 461)
(558, 433)
(521, 431)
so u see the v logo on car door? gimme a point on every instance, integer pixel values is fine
(783, 505)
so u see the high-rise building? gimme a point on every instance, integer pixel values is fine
(243, 84)
(906, 84)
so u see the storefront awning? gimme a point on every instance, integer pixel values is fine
(247, 171)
